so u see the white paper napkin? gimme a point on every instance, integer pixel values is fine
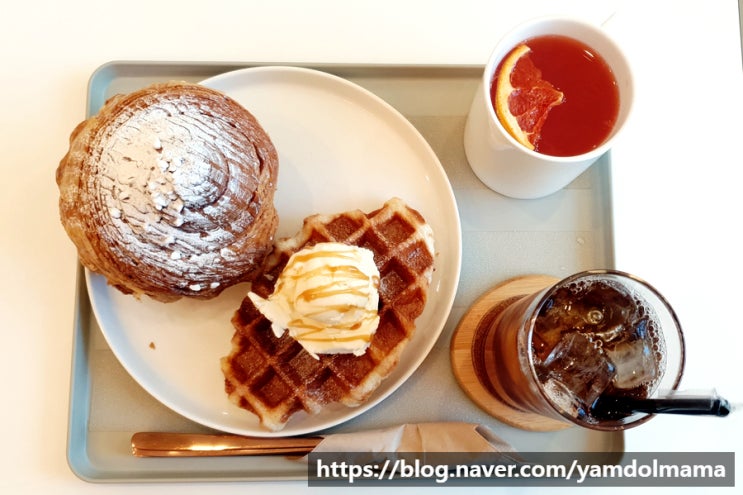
(417, 437)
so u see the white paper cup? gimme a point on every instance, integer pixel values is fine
(501, 162)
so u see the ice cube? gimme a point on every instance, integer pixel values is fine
(580, 366)
(555, 318)
(564, 399)
(544, 340)
(635, 360)
(610, 333)
(561, 312)
(600, 307)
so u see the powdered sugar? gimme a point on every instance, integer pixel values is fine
(160, 168)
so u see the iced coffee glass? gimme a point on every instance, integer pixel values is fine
(584, 348)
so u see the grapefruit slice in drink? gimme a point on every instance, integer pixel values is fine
(522, 98)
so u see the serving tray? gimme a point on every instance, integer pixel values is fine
(566, 232)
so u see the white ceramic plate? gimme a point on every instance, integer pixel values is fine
(340, 148)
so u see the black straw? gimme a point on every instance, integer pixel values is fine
(679, 404)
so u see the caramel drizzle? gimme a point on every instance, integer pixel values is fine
(317, 333)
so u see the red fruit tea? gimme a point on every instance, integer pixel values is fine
(589, 111)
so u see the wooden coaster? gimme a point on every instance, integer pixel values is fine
(466, 352)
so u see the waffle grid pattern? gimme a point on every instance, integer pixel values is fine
(275, 377)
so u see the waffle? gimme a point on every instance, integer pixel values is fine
(275, 377)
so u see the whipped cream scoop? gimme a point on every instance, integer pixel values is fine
(326, 298)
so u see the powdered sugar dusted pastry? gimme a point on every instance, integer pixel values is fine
(168, 192)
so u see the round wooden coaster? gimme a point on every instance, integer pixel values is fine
(466, 347)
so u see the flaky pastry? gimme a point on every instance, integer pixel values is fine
(168, 191)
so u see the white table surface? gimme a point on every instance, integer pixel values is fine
(676, 171)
